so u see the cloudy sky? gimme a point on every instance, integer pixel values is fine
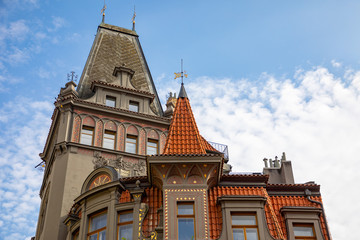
(265, 77)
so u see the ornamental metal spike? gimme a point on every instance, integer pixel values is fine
(71, 77)
(181, 74)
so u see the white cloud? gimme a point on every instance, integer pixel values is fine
(335, 64)
(25, 124)
(40, 35)
(17, 56)
(57, 23)
(18, 29)
(313, 117)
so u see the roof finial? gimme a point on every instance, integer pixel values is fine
(133, 19)
(72, 77)
(181, 74)
(103, 12)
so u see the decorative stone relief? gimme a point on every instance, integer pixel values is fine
(126, 169)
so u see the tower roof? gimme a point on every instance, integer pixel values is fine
(184, 136)
(113, 48)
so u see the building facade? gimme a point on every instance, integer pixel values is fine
(119, 167)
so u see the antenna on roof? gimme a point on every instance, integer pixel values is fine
(181, 74)
(133, 19)
(103, 12)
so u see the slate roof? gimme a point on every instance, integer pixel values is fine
(184, 137)
(115, 47)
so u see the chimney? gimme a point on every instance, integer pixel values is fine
(170, 105)
(279, 171)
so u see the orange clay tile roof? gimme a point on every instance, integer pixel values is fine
(153, 199)
(275, 220)
(184, 136)
(125, 197)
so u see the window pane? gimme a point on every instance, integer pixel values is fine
(125, 232)
(238, 234)
(151, 148)
(110, 101)
(126, 217)
(152, 144)
(251, 234)
(186, 228)
(134, 106)
(185, 209)
(130, 146)
(86, 136)
(109, 143)
(243, 220)
(93, 237)
(303, 231)
(98, 222)
(109, 140)
(102, 235)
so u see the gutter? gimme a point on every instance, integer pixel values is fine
(308, 196)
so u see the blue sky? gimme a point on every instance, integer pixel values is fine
(264, 77)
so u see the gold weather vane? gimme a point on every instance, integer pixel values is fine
(133, 19)
(103, 12)
(181, 74)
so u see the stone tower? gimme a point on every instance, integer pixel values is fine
(114, 118)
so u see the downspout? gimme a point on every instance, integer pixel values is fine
(308, 196)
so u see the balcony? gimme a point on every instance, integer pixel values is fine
(221, 148)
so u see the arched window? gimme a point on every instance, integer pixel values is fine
(152, 143)
(109, 140)
(131, 142)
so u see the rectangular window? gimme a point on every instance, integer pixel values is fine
(131, 144)
(244, 226)
(87, 135)
(125, 225)
(110, 101)
(134, 106)
(97, 227)
(186, 221)
(152, 147)
(304, 231)
(109, 139)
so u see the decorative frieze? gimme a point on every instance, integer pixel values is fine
(123, 167)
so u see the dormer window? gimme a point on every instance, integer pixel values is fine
(304, 231)
(244, 226)
(110, 101)
(134, 106)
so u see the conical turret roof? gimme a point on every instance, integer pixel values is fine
(184, 136)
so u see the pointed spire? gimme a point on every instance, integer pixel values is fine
(103, 12)
(182, 93)
(184, 136)
(133, 19)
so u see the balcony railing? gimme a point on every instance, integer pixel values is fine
(221, 148)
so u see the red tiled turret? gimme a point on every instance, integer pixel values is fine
(184, 136)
